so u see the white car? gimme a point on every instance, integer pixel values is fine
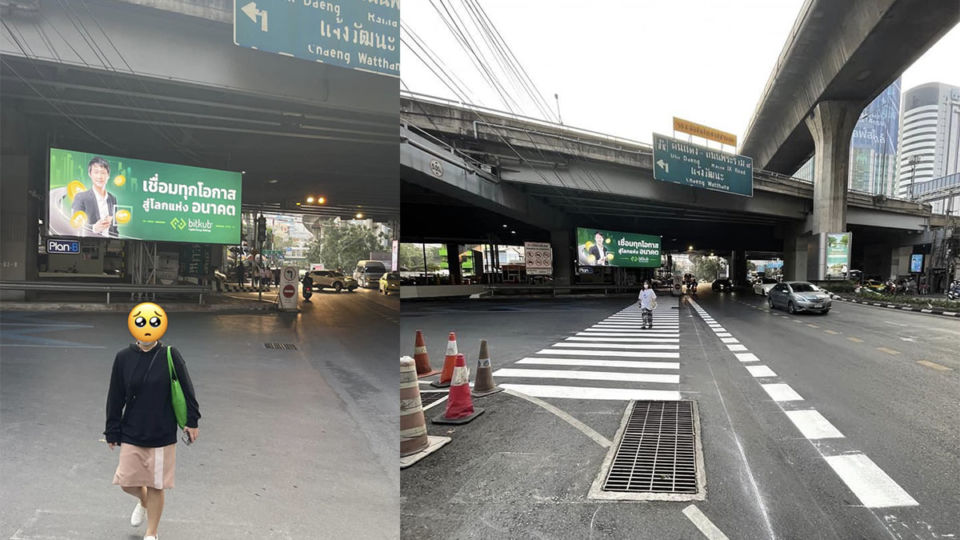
(763, 285)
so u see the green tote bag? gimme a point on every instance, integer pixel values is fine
(176, 393)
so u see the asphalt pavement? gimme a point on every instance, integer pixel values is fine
(885, 381)
(292, 442)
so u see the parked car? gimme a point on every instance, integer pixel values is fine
(390, 282)
(796, 296)
(763, 285)
(331, 279)
(722, 285)
(875, 285)
(368, 273)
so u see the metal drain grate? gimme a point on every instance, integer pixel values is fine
(280, 346)
(657, 452)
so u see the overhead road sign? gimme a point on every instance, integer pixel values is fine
(706, 132)
(356, 34)
(698, 166)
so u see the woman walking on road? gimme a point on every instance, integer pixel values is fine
(648, 303)
(141, 418)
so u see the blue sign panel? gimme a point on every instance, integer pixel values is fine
(355, 34)
(684, 163)
(63, 246)
(916, 263)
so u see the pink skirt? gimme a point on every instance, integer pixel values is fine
(151, 467)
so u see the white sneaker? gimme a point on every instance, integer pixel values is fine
(149, 538)
(139, 514)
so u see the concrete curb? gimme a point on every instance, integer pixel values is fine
(254, 307)
(930, 311)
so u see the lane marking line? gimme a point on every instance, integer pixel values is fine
(813, 425)
(587, 375)
(832, 332)
(812, 325)
(625, 339)
(631, 346)
(729, 340)
(626, 354)
(585, 429)
(855, 339)
(868, 482)
(781, 392)
(760, 371)
(747, 357)
(736, 347)
(437, 402)
(701, 522)
(724, 334)
(888, 351)
(632, 364)
(934, 365)
(586, 392)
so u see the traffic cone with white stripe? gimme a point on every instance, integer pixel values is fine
(483, 385)
(415, 444)
(424, 369)
(447, 374)
(460, 409)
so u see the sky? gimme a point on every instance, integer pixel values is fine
(626, 68)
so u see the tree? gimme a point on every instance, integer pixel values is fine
(707, 268)
(410, 256)
(343, 244)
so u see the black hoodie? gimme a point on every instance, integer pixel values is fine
(140, 411)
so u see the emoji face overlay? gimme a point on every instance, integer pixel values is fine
(147, 322)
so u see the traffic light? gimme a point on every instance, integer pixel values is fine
(261, 229)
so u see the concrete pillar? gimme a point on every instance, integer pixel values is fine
(795, 254)
(453, 263)
(738, 267)
(563, 255)
(831, 124)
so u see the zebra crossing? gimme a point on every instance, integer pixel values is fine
(614, 359)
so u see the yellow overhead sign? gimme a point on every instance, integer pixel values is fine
(699, 130)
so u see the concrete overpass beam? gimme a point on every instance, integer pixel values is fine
(831, 124)
(795, 254)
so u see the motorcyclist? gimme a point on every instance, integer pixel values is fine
(307, 283)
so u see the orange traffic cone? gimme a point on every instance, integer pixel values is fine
(447, 374)
(483, 385)
(424, 369)
(415, 444)
(460, 409)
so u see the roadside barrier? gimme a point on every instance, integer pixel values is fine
(448, 361)
(424, 369)
(483, 385)
(415, 444)
(460, 409)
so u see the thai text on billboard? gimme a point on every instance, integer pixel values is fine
(597, 247)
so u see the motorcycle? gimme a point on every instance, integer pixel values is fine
(954, 292)
(307, 292)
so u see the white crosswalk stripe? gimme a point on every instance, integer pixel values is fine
(613, 359)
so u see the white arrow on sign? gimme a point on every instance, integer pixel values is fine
(663, 165)
(250, 10)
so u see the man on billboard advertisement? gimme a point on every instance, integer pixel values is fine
(96, 208)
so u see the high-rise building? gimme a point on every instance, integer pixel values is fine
(873, 147)
(929, 135)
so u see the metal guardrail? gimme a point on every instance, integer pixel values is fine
(106, 288)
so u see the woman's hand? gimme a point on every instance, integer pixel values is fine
(112, 444)
(192, 432)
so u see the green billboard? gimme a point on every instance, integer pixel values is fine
(838, 255)
(596, 247)
(96, 195)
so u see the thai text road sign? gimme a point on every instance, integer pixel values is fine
(538, 257)
(356, 34)
(698, 166)
(706, 132)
